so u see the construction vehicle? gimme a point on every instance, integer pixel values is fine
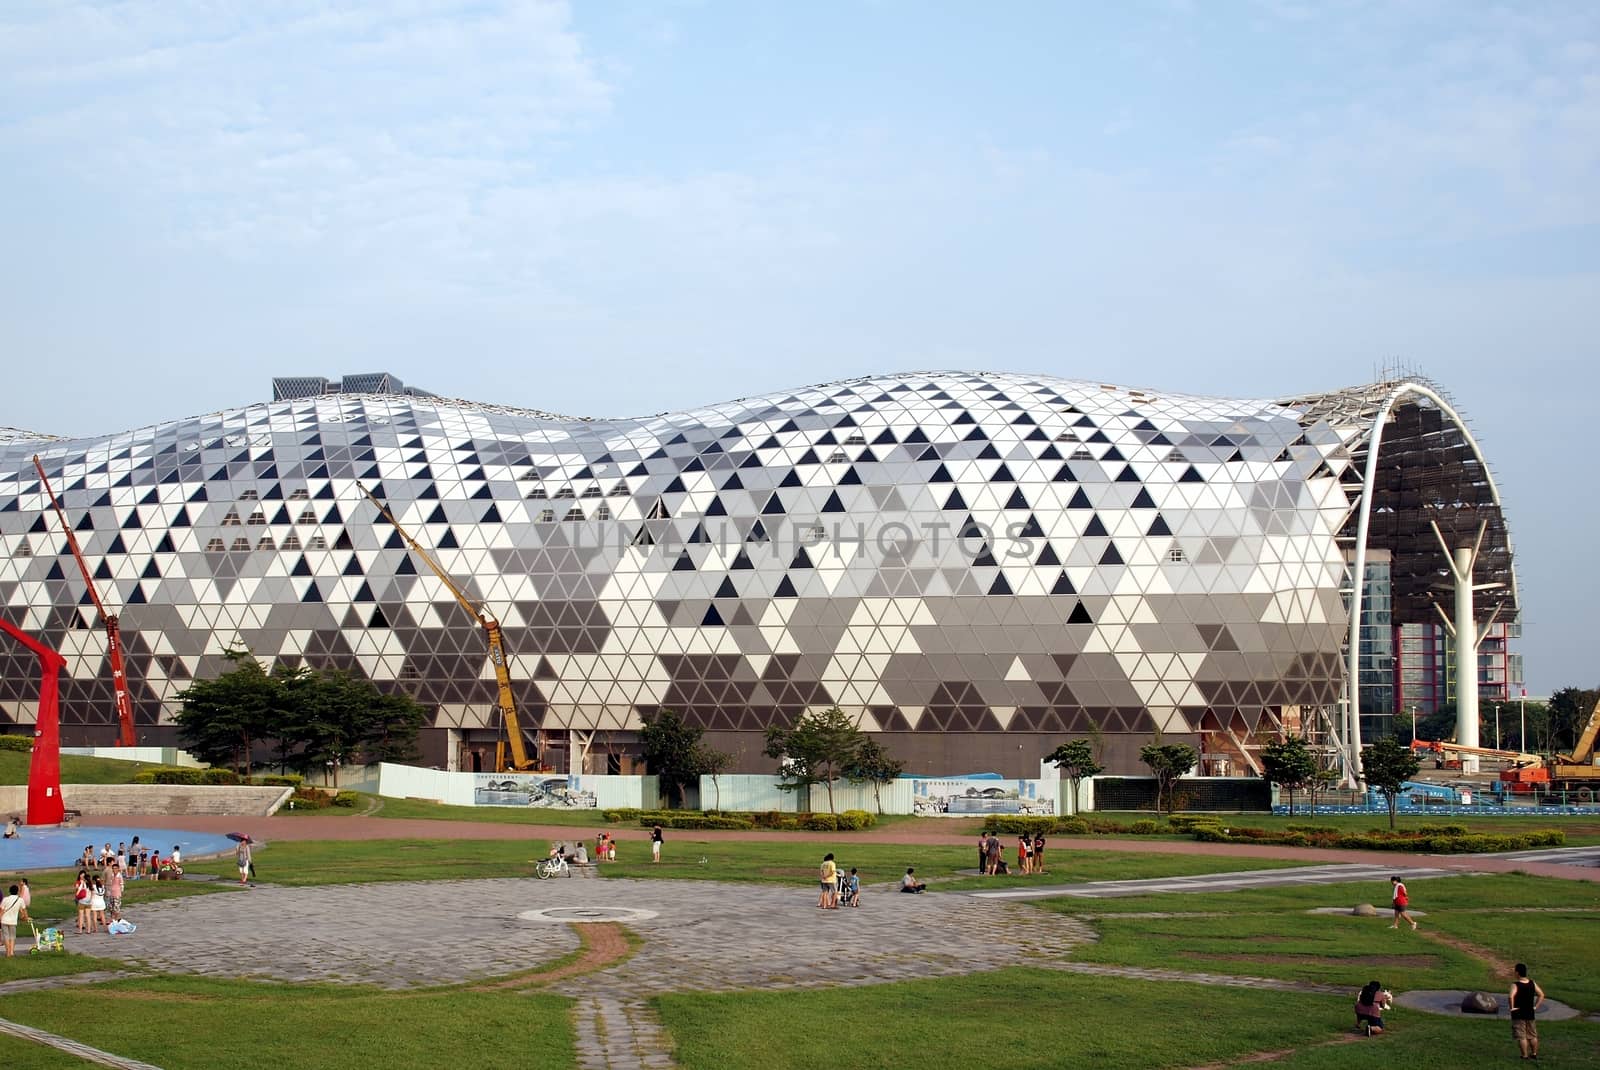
(518, 759)
(1561, 774)
(1442, 754)
(126, 737)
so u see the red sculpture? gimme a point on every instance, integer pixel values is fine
(44, 769)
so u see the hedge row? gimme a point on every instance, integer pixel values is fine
(21, 743)
(848, 821)
(185, 775)
(169, 774)
(1426, 840)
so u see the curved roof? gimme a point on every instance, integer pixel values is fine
(951, 550)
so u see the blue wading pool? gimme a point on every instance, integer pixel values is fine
(48, 847)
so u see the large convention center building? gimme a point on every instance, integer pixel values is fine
(975, 567)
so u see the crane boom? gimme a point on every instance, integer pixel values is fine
(491, 627)
(126, 737)
(1584, 751)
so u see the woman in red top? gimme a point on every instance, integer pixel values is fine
(1401, 901)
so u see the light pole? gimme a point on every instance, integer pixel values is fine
(1497, 725)
(1413, 722)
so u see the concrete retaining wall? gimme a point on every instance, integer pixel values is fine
(109, 799)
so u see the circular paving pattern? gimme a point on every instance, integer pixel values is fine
(701, 935)
(566, 915)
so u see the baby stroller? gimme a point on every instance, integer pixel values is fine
(49, 940)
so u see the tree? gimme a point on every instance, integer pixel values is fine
(1168, 761)
(873, 762)
(670, 752)
(712, 763)
(1569, 714)
(1321, 780)
(1077, 760)
(1289, 764)
(815, 751)
(222, 719)
(1386, 765)
(312, 719)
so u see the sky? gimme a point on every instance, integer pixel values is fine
(622, 208)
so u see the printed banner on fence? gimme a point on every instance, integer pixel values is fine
(558, 792)
(959, 797)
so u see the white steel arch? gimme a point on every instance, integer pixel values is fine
(1352, 714)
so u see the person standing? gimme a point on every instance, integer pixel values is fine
(1402, 899)
(114, 888)
(97, 904)
(655, 844)
(242, 857)
(11, 908)
(80, 899)
(828, 881)
(1038, 852)
(1526, 999)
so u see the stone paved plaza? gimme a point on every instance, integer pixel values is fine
(703, 935)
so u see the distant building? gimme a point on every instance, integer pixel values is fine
(293, 387)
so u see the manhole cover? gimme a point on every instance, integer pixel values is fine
(571, 914)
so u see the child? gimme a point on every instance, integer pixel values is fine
(97, 905)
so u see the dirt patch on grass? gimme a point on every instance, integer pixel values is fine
(1272, 1056)
(1399, 961)
(1501, 967)
(600, 944)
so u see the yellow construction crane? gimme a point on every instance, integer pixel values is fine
(518, 759)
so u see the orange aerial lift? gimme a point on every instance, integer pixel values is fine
(1441, 754)
(518, 760)
(119, 679)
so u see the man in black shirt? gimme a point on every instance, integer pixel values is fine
(1526, 998)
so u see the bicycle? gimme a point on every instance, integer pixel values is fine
(549, 867)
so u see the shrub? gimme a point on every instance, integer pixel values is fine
(289, 780)
(1442, 830)
(856, 820)
(347, 798)
(184, 775)
(822, 823)
(1144, 827)
(1017, 825)
(621, 814)
(1071, 826)
(21, 743)
(789, 824)
(311, 799)
(1187, 822)
(689, 820)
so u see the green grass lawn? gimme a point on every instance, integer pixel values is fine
(181, 1022)
(1042, 1018)
(74, 769)
(303, 863)
(201, 1024)
(1266, 932)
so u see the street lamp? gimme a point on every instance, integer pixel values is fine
(1413, 722)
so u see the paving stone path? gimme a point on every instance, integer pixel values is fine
(703, 936)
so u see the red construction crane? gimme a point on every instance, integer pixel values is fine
(119, 678)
